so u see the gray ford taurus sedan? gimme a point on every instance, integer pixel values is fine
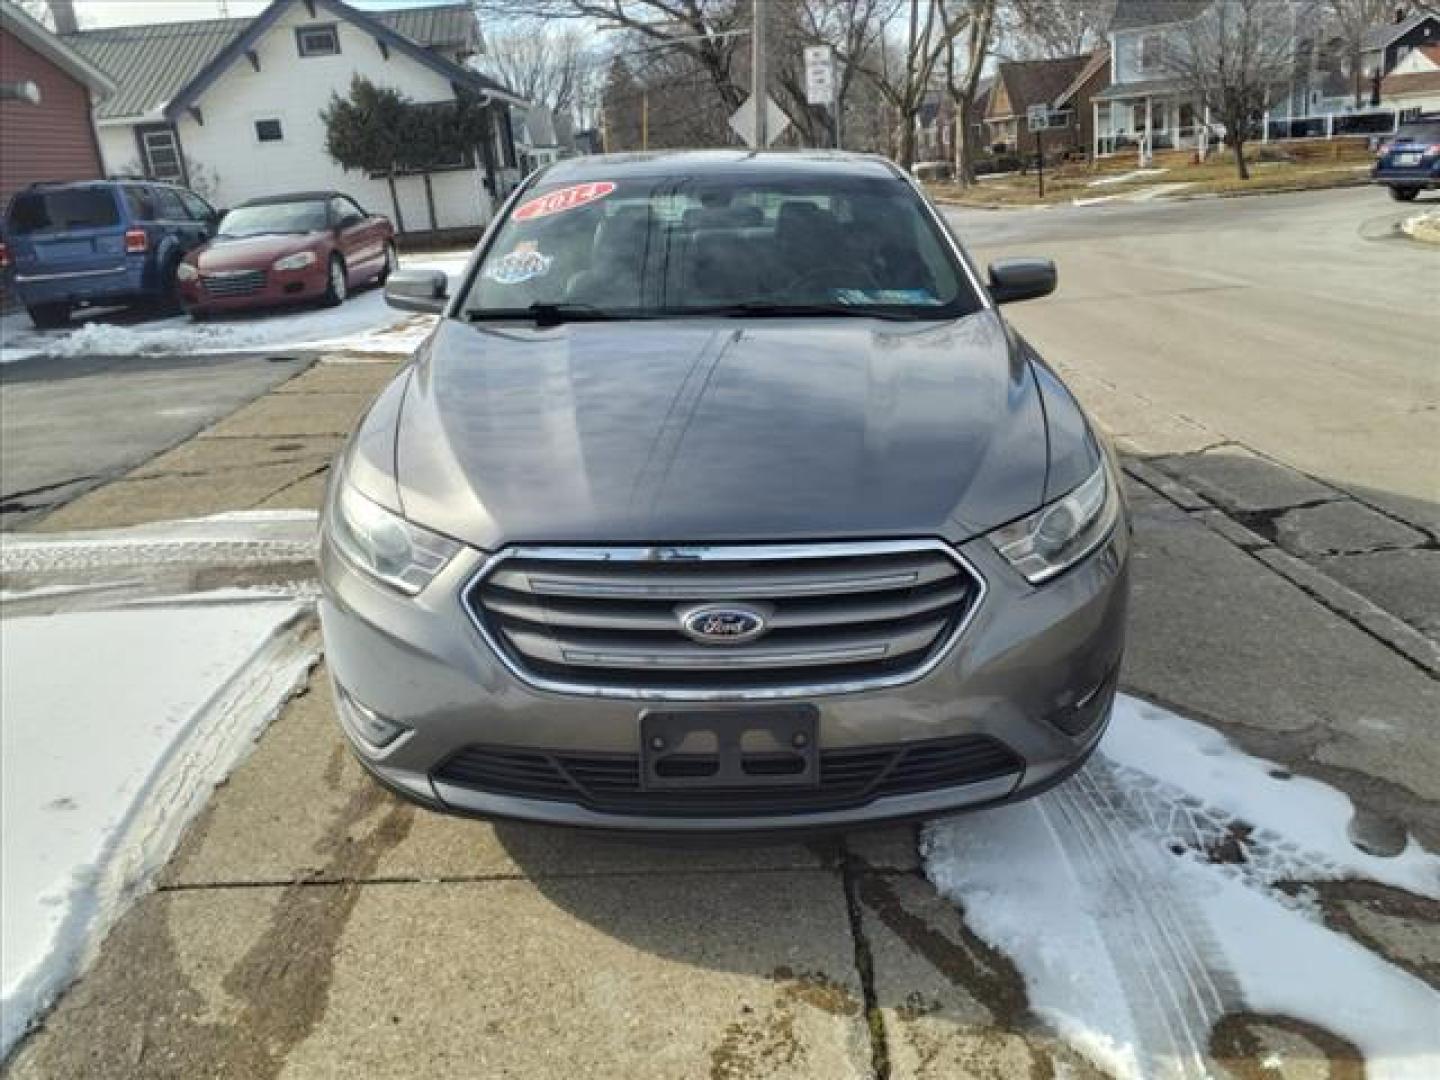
(722, 497)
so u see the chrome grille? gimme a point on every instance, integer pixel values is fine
(234, 283)
(610, 621)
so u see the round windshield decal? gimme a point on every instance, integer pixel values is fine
(557, 202)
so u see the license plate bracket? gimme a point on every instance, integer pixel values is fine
(725, 748)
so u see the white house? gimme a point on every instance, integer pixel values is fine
(1413, 86)
(1145, 105)
(232, 106)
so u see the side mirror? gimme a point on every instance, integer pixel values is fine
(417, 290)
(1021, 279)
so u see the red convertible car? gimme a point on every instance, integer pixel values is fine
(313, 245)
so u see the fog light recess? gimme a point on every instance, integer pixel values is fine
(366, 724)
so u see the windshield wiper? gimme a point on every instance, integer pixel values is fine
(549, 314)
(763, 309)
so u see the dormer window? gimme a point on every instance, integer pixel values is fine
(321, 40)
(1152, 52)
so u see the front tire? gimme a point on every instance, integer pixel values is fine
(336, 285)
(390, 265)
(49, 316)
(1404, 194)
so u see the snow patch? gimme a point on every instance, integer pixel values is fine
(1140, 901)
(108, 747)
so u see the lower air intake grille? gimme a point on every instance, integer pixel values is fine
(234, 283)
(815, 618)
(610, 783)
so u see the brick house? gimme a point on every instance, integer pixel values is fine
(52, 138)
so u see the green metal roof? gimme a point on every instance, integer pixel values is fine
(151, 63)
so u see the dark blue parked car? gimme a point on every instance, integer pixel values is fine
(1410, 161)
(103, 242)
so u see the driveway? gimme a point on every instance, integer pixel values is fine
(311, 925)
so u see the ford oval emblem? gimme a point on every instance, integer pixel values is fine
(722, 624)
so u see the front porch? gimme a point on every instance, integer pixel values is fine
(1146, 122)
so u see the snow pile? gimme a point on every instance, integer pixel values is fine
(109, 746)
(1423, 227)
(1140, 902)
(364, 323)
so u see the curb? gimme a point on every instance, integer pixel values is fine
(1389, 630)
(1292, 189)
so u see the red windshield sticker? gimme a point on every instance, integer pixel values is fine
(557, 202)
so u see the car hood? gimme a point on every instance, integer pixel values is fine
(714, 431)
(249, 252)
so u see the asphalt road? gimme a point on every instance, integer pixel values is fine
(1300, 326)
(72, 424)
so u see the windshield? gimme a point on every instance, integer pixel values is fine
(64, 208)
(674, 246)
(1426, 131)
(296, 217)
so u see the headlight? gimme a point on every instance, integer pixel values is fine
(186, 272)
(1059, 535)
(298, 261)
(385, 545)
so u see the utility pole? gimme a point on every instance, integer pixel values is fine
(757, 76)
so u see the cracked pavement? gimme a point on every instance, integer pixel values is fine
(312, 925)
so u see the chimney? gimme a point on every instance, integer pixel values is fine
(63, 12)
(1401, 12)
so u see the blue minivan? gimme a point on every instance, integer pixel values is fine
(1410, 161)
(99, 243)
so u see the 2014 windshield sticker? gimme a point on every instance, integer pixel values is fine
(569, 198)
(520, 265)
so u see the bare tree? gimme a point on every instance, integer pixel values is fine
(964, 82)
(1233, 58)
(1049, 29)
(1349, 19)
(702, 30)
(852, 28)
(905, 74)
(544, 63)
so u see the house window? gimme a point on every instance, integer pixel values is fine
(160, 150)
(1187, 118)
(268, 131)
(317, 40)
(1152, 52)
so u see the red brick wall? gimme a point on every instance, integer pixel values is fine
(49, 141)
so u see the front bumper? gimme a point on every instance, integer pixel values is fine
(1029, 660)
(281, 287)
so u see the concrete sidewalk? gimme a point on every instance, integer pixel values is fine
(312, 925)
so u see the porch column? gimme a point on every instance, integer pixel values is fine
(1205, 135)
(1265, 127)
(1146, 147)
(1095, 131)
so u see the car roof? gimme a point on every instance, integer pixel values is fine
(294, 196)
(731, 163)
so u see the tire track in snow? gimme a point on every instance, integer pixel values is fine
(1172, 973)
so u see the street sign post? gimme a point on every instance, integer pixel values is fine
(742, 122)
(820, 88)
(1037, 119)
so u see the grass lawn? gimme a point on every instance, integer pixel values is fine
(1327, 166)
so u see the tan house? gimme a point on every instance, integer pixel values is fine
(1064, 86)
